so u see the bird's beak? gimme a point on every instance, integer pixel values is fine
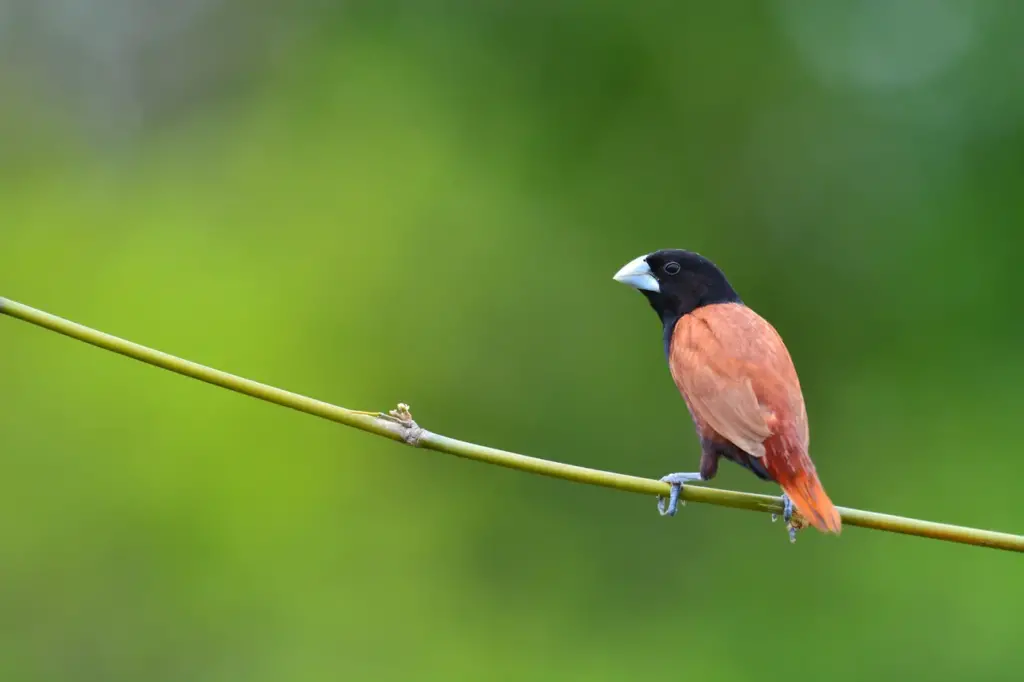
(637, 274)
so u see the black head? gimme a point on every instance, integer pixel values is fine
(677, 282)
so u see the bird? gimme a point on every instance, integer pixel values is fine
(738, 381)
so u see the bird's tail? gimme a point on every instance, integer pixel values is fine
(813, 503)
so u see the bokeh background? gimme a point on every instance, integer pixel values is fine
(376, 201)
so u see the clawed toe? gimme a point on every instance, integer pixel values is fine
(676, 481)
(787, 516)
(673, 500)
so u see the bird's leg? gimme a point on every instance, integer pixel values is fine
(676, 481)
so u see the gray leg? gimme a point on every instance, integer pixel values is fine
(676, 481)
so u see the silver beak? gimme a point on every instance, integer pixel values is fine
(637, 274)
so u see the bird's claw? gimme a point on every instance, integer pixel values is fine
(793, 523)
(673, 500)
(676, 482)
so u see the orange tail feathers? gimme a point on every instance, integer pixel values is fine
(807, 493)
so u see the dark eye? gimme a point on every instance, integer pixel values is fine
(671, 268)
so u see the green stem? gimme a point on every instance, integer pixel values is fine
(404, 430)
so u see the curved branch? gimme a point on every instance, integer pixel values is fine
(399, 426)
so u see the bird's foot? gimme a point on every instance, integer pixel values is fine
(676, 481)
(792, 524)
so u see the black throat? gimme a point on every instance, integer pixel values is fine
(673, 307)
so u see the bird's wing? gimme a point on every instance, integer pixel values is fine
(720, 377)
(728, 405)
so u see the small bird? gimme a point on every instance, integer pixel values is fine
(737, 379)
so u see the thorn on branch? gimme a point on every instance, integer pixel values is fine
(402, 416)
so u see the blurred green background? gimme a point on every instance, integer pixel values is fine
(425, 202)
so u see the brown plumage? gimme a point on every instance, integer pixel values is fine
(740, 385)
(736, 377)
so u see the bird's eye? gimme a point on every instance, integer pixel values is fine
(671, 268)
